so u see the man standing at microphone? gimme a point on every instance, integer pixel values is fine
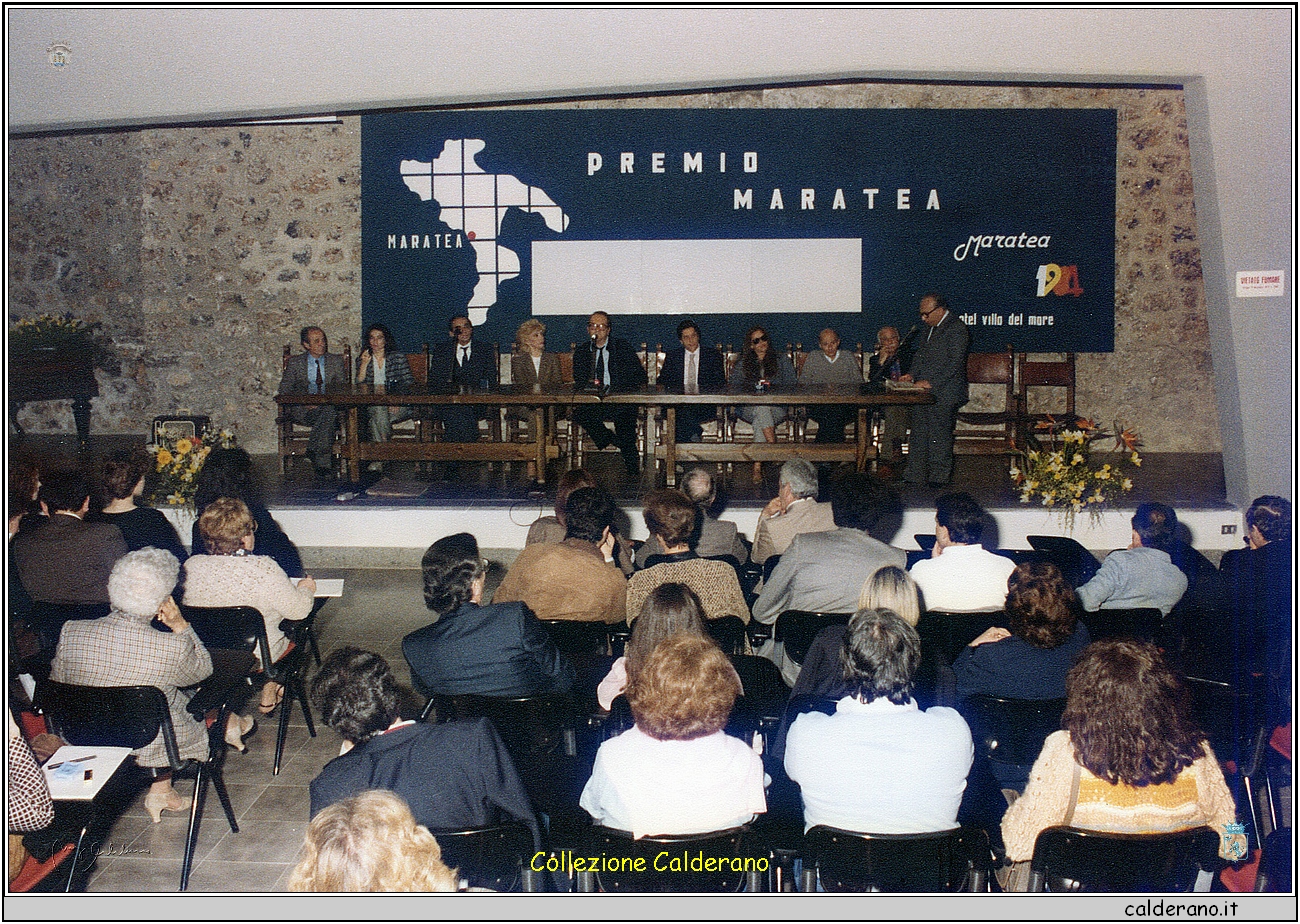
(610, 364)
(940, 367)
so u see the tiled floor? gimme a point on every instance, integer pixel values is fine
(378, 608)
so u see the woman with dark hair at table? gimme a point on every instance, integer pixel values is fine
(1031, 660)
(761, 363)
(229, 473)
(676, 771)
(381, 364)
(1130, 759)
(121, 481)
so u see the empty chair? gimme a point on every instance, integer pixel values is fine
(665, 862)
(992, 431)
(1009, 733)
(945, 861)
(797, 628)
(1073, 860)
(1040, 375)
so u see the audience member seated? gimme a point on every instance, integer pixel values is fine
(66, 560)
(712, 537)
(495, 650)
(370, 843)
(961, 576)
(453, 775)
(123, 649)
(552, 529)
(677, 771)
(879, 764)
(1142, 575)
(229, 473)
(830, 366)
(668, 610)
(1046, 638)
(24, 485)
(1257, 598)
(1130, 758)
(121, 481)
(794, 510)
(670, 517)
(822, 674)
(232, 575)
(28, 805)
(576, 578)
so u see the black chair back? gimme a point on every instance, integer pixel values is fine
(1231, 718)
(1077, 564)
(945, 861)
(1073, 860)
(528, 725)
(729, 633)
(1141, 623)
(229, 628)
(769, 566)
(1011, 731)
(946, 634)
(496, 857)
(673, 852)
(47, 619)
(125, 717)
(574, 637)
(798, 628)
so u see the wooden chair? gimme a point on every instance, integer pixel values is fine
(957, 860)
(292, 436)
(1040, 375)
(1073, 860)
(989, 432)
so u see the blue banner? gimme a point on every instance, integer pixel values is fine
(801, 219)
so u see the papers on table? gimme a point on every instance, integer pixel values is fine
(65, 772)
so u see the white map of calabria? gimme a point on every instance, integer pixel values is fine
(475, 202)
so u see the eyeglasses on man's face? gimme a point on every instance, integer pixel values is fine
(596, 325)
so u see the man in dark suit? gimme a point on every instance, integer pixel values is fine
(692, 370)
(939, 365)
(495, 650)
(316, 371)
(463, 362)
(608, 364)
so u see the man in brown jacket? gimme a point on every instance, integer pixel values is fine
(577, 578)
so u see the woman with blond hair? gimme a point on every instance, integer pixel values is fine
(230, 575)
(370, 843)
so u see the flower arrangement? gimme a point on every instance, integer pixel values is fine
(178, 461)
(1058, 470)
(46, 330)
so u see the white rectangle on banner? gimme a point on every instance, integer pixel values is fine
(1259, 284)
(751, 276)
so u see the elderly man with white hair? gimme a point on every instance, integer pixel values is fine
(123, 649)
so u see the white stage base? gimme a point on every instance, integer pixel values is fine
(506, 527)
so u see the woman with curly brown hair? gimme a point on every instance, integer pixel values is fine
(1031, 660)
(370, 843)
(677, 771)
(1130, 759)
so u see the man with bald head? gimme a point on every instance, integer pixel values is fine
(830, 366)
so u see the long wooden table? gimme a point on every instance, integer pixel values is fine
(543, 446)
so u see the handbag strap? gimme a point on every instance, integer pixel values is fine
(1074, 795)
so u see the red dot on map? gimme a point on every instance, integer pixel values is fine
(470, 235)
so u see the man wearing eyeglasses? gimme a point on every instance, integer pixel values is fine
(608, 364)
(939, 365)
(463, 362)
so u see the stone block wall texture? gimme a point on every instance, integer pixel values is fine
(203, 251)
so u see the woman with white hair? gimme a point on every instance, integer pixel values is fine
(123, 649)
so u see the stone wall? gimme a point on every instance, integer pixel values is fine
(202, 251)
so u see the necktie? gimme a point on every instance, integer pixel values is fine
(600, 366)
(320, 379)
(464, 355)
(692, 382)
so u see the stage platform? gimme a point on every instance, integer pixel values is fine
(497, 504)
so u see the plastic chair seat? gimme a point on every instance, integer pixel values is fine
(1074, 860)
(665, 861)
(956, 860)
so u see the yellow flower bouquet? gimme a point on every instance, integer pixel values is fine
(1057, 471)
(178, 462)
